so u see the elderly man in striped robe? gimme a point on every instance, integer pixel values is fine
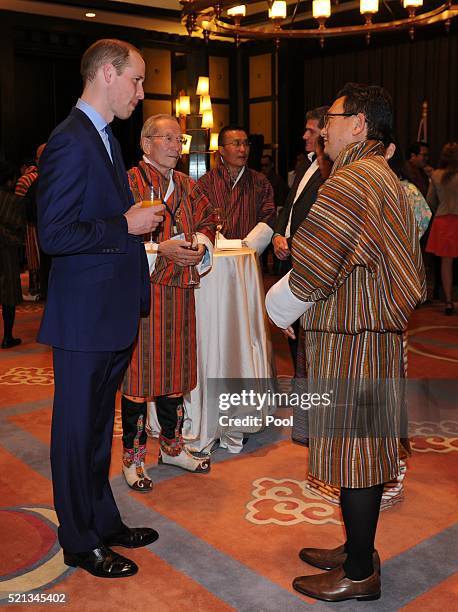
(163, 365)
(357, 276)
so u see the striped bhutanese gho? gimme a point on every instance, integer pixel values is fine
(164, 355)
(357, 256)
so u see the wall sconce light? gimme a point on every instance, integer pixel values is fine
(203, 86)
(213, 141)
(207, 119)
(205, 104)
(184, 105)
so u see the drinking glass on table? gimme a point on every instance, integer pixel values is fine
(219, 220)
(192, 238)
(151, 197)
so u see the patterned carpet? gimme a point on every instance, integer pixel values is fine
(229, 540)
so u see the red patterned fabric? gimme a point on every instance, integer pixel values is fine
(32, 250)
(24, 182)
(164, 356)
(244, 206)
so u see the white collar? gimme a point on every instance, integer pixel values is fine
(239, 175)
(171, 186)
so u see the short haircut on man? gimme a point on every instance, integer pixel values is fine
(151, 125)
(229, 128)
(317, 114)
(105, 51)
(374, 103)
(415, 148)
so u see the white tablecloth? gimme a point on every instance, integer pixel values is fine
(233, 338)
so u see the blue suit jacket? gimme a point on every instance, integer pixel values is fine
(99, 280)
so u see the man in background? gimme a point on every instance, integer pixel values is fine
(26, 187)
(244, 197)
(280, 194)
(300, 199)
(417, 169)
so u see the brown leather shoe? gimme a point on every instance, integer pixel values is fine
(329, 559)
(335, 586)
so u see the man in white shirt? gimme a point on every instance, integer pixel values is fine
(301, 197)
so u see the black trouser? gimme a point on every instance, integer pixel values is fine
(81, 437)
(8, 314)
(360, 512)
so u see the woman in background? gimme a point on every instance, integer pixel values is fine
(443, 199)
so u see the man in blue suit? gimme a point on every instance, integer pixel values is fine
(98, 286)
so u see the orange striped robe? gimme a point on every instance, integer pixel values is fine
(357, 256)
(32, 250)
(164, 356)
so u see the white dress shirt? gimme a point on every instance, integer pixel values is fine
(300, 188)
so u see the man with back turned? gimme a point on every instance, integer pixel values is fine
(98, 287)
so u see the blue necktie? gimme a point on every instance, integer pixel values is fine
(118, 162)
(109, 133)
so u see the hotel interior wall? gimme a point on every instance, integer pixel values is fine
(39, 80)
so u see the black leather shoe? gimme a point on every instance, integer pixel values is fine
(102, 562)
(10, 342)
(134, 537)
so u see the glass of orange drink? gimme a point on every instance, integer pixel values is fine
(151, 197)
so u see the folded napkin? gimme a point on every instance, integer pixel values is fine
(223, 244)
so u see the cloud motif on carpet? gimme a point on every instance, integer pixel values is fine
(431, 437)
(288, 502)
(27, 376)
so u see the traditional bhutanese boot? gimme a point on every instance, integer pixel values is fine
(134, 441)
(172, 450)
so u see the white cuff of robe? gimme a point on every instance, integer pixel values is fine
(259, 237)
(207, 260)
(282, 306)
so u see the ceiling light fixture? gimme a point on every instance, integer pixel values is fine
(206, 16)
